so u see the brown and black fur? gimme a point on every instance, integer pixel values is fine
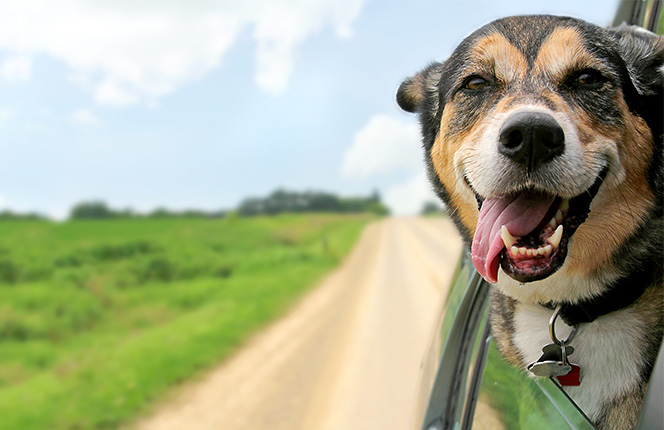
(616, 256)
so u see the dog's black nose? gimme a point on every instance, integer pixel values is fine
(531, 139)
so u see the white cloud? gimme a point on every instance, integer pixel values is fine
(384, 145)
(408, 197)
(127, 52)
(85, 117)
(282, 26)
(390, 146)
(110, 92)
(16, 68)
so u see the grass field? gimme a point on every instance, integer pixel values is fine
(98, 318)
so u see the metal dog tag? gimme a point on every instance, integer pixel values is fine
(553, 351)
(553, 361)
(549, 369)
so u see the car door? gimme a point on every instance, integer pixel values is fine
(475, 388)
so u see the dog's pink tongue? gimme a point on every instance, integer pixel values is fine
(519, 214)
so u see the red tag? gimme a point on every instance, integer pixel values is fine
(573, 378)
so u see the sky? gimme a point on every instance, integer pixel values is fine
(200, 104)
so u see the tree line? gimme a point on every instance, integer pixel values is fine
(277, 202)
(9, 215)
(97, 209)
(310, 201)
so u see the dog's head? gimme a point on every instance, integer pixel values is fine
(543, 137)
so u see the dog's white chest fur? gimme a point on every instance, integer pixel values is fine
(607, 350)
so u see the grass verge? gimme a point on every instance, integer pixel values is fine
(98, 319)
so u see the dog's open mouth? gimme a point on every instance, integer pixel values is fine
(527, 233)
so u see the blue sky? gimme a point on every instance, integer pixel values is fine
(198, 104)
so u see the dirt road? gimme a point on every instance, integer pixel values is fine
(346, 357)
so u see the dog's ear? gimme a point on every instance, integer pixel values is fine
(415, 90)
(643, 53)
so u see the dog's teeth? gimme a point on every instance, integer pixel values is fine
(553, 223)
(544, 250)
(564, 205)
(559, 216)
(554, 240)
(508, 239)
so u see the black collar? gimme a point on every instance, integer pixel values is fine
(620, 295)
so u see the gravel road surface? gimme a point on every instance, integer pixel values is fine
(347, 356)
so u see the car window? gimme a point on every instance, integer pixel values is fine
(510, 399)
(457, 351)
(475, 388)
(646, 13)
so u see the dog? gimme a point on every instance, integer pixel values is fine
(543, 137)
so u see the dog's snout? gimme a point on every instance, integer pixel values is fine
(531, 139)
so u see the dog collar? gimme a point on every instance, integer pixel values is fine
(619, 296)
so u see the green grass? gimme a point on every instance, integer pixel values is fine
(100, 318)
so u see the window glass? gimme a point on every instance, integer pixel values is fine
(467, 391)
(461, 335)
(459, 287)
(510, 399)
(460, 284)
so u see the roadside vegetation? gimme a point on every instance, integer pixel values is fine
(98, 318)
(277, 202)
(433, 209)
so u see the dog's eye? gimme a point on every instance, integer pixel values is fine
(590, 79)
(475, 83)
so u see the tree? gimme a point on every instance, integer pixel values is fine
(91, 210)
(430, 208)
